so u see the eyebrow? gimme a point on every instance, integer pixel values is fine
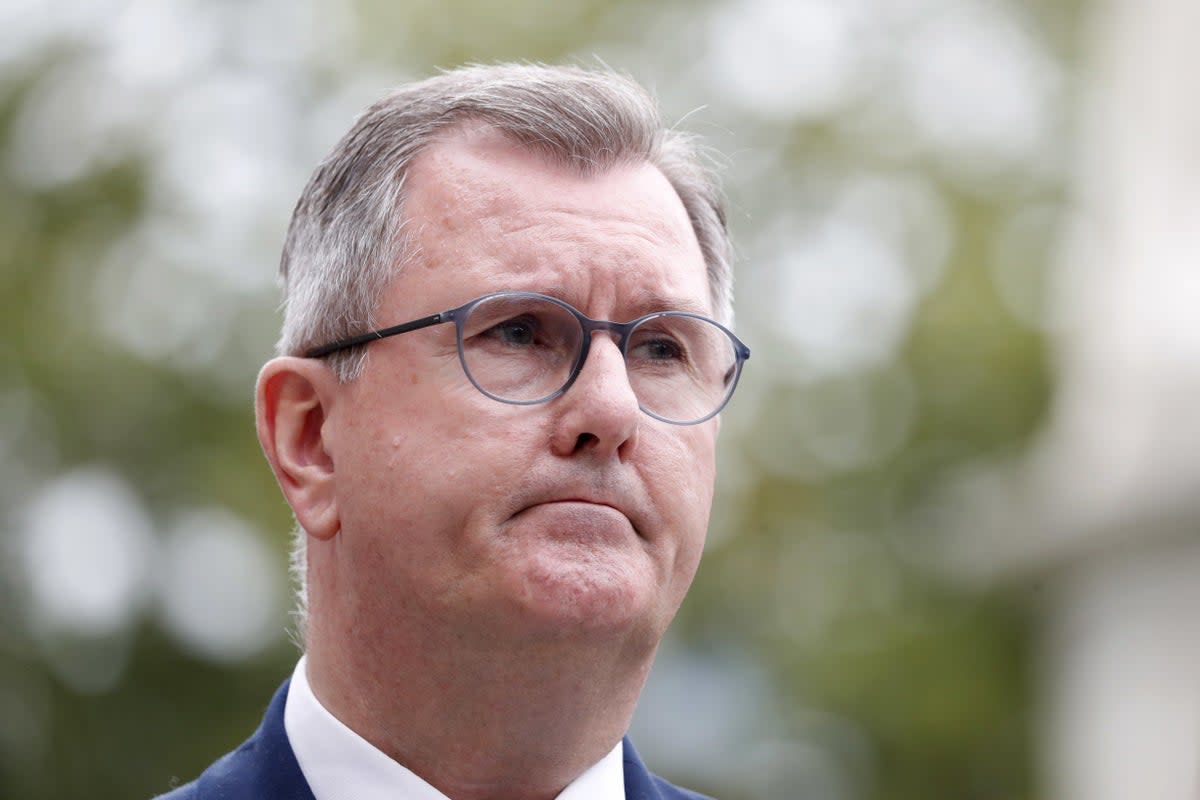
(646, 302)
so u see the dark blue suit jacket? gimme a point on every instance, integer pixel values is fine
(264, 768)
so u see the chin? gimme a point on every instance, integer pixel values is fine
(593, 596)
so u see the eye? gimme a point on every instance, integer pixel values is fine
(512, 325)
(519, 331)
(661, 342)
(659, 347)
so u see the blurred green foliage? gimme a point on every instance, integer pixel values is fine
(822, 575)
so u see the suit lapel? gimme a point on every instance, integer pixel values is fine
(264, 768)
(639, 784)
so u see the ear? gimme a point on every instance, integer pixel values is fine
(291, 404)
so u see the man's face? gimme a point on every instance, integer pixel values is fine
(582, 515)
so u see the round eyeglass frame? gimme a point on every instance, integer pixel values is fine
(589, 326)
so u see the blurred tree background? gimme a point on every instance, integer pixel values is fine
(896, 173)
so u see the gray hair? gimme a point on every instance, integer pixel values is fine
(348, 237)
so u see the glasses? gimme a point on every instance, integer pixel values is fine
(525, 348)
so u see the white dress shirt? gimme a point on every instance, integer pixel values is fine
(341, 765)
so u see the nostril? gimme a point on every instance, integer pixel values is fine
(584, 440)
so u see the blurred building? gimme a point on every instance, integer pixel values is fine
(1120, 467)
(1108, 503)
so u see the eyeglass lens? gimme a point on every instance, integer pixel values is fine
(523, 349)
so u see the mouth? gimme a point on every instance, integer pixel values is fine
(574, 494)
(581, 501)
(582, 513)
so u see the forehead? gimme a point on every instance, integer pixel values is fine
(488, 215)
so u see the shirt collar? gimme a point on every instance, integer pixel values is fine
(338, 763)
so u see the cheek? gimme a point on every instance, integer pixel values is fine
(397, 452)
(458, 453)
(687, 463)
(682, 480)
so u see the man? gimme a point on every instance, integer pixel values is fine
(501, 496)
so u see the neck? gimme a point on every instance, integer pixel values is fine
(478, 720)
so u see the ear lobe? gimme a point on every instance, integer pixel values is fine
(291, 405)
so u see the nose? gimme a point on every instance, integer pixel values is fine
(599, 414)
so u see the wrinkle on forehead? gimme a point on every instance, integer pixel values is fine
(473, 171)
(500, 217)
(553, 224)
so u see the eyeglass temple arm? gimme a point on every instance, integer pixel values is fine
(382, 333)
